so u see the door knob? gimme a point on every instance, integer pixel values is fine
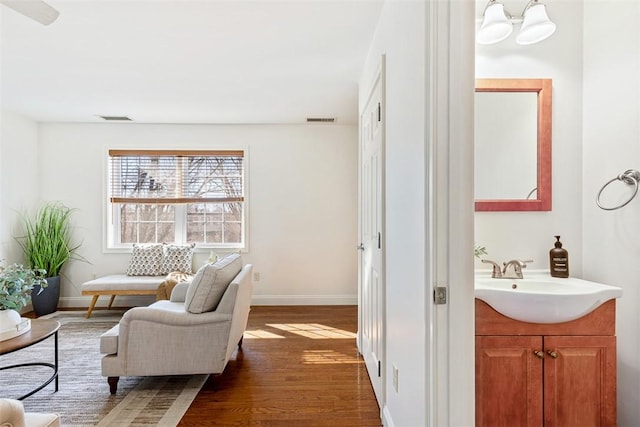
(538, 354)
(552, 354)
(361, 247)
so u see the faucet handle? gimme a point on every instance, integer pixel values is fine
(525, 262)
(497, 271)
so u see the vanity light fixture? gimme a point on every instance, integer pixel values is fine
(497, 24)
(536, 25)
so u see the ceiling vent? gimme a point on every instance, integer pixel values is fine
(116, 118)
(321, 119)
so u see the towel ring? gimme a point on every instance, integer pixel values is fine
(629, 177)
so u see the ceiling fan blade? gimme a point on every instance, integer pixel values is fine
(35, 9)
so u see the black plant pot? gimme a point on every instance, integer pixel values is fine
(46, 302)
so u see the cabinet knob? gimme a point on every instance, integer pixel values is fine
(538, 354)
(552, 354)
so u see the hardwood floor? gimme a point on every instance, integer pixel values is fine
(298, 367)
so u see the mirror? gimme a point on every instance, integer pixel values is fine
(513, 145)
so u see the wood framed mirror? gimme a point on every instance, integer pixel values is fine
(513, 145)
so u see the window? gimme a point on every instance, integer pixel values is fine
(177, 196)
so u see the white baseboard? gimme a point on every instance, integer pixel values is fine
(137, 300)
(386, 417)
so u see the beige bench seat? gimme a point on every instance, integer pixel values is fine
(120, 284)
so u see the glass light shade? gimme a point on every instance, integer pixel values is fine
(495, 25)
(536, 25)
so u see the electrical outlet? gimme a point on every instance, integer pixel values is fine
(395, 377)
(256, 276)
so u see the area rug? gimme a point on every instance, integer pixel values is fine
(83, 398)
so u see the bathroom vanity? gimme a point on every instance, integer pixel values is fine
(545, 374)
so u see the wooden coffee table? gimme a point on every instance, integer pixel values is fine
(41, 329)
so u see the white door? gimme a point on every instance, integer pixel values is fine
(371, 291)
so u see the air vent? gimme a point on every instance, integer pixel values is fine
(321, 119)
(116, 118)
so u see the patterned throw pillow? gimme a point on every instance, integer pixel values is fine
(146, 260)
(209, 284)
(178, 258)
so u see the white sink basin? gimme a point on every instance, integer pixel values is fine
(542, 298)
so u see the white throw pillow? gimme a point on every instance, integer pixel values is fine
(178, 258)
(146, 260)
(209, 284)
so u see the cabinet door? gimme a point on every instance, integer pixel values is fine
(508, 381)
(580, 381)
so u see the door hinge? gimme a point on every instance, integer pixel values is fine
(379, 112)
(440, 295)
(379, 369)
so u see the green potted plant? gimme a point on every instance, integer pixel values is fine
(47, 246)
(16, 285)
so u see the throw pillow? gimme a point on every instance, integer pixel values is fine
(209, 284)
(146, 260)
(178, 258)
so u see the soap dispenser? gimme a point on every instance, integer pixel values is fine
(559, 260)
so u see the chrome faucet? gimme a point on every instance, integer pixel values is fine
(517, 268)
(504, 273)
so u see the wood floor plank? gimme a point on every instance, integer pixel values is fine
(299, 366)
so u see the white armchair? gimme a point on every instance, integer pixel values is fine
(12, 414)
(189, 334)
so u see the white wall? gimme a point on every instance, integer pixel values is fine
(401, 36)
(529, 235)
(611, 146)
(19, 175)
(302, 195)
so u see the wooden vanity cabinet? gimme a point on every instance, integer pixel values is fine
(558, 375)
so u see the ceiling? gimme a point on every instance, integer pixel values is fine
(188, 61)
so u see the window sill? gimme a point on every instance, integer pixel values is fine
(220, 250)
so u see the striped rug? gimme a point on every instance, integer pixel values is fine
(83, 398)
